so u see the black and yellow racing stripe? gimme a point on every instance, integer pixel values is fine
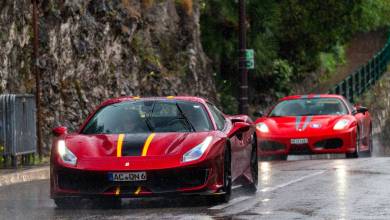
(134, 145)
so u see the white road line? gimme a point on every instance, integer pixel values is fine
(270, 189)
(267, 189)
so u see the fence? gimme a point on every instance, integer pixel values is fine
(17, 128)
(362, 79)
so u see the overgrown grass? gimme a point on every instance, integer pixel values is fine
(34, 161)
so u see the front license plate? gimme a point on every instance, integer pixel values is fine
(127, 177)
(300, 141)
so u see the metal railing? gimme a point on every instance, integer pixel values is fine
(362, 79)
(17, 128)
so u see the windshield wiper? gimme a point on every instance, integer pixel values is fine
(185, 118)
(147, 120)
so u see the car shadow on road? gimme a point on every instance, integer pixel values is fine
(142, 203)
(170, 202)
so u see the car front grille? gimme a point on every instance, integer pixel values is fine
(329, 143)
(157, 181)
(300, 149)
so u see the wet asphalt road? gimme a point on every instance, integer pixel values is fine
(295, 189)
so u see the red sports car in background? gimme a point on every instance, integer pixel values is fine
(133, 147)
(314, 124)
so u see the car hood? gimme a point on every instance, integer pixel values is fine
(160, 144)
(302, 124)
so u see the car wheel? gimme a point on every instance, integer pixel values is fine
(254, 165)
(282, 157)
(357, 147)
(65, 203)
(227, 178)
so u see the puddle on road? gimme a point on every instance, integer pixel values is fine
(315, 157)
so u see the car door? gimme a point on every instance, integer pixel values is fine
(363, 120)
(366, 121)
(239, 164)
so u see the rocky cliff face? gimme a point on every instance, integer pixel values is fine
(91, 50)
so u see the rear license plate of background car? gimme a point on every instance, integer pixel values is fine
(130, 177)
(300, 141)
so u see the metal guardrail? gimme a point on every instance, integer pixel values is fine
(17, 128)
(362, 79)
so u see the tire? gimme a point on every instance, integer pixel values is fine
(282, 157)
(67, 203)
(254, 165)
(227, 179)
(357, 147)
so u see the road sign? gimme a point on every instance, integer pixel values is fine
(250, 64)
(249, 59)
(249, 54)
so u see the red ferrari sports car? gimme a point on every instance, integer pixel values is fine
(314, 124)
(133, 147)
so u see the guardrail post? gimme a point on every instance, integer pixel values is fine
(366, 77)
(384, 61)
(357, 82)
(337, 89)
(376, 72)
(343, 88)
(369, 73)
(372, 72)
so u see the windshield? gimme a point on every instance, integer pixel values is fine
(315, 106)
(149, 116)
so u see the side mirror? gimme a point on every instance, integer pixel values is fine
(58, 131)
(361, 109)
(258, 114)
(239, 127)
(237, 118)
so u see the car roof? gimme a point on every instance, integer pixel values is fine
(136, 98)
(311, 96)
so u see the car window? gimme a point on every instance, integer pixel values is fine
(312, 106)
(149, 116)
(350, 105)
(218, 116)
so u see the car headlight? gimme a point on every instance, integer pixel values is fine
(341, 124)
(66, 155)
(197, 152)
(262, 127)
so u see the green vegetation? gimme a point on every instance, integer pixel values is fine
(330, 60)
(290, 37)
(374, 14)
(34, 160)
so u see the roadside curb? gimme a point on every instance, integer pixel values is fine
(41, 173)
